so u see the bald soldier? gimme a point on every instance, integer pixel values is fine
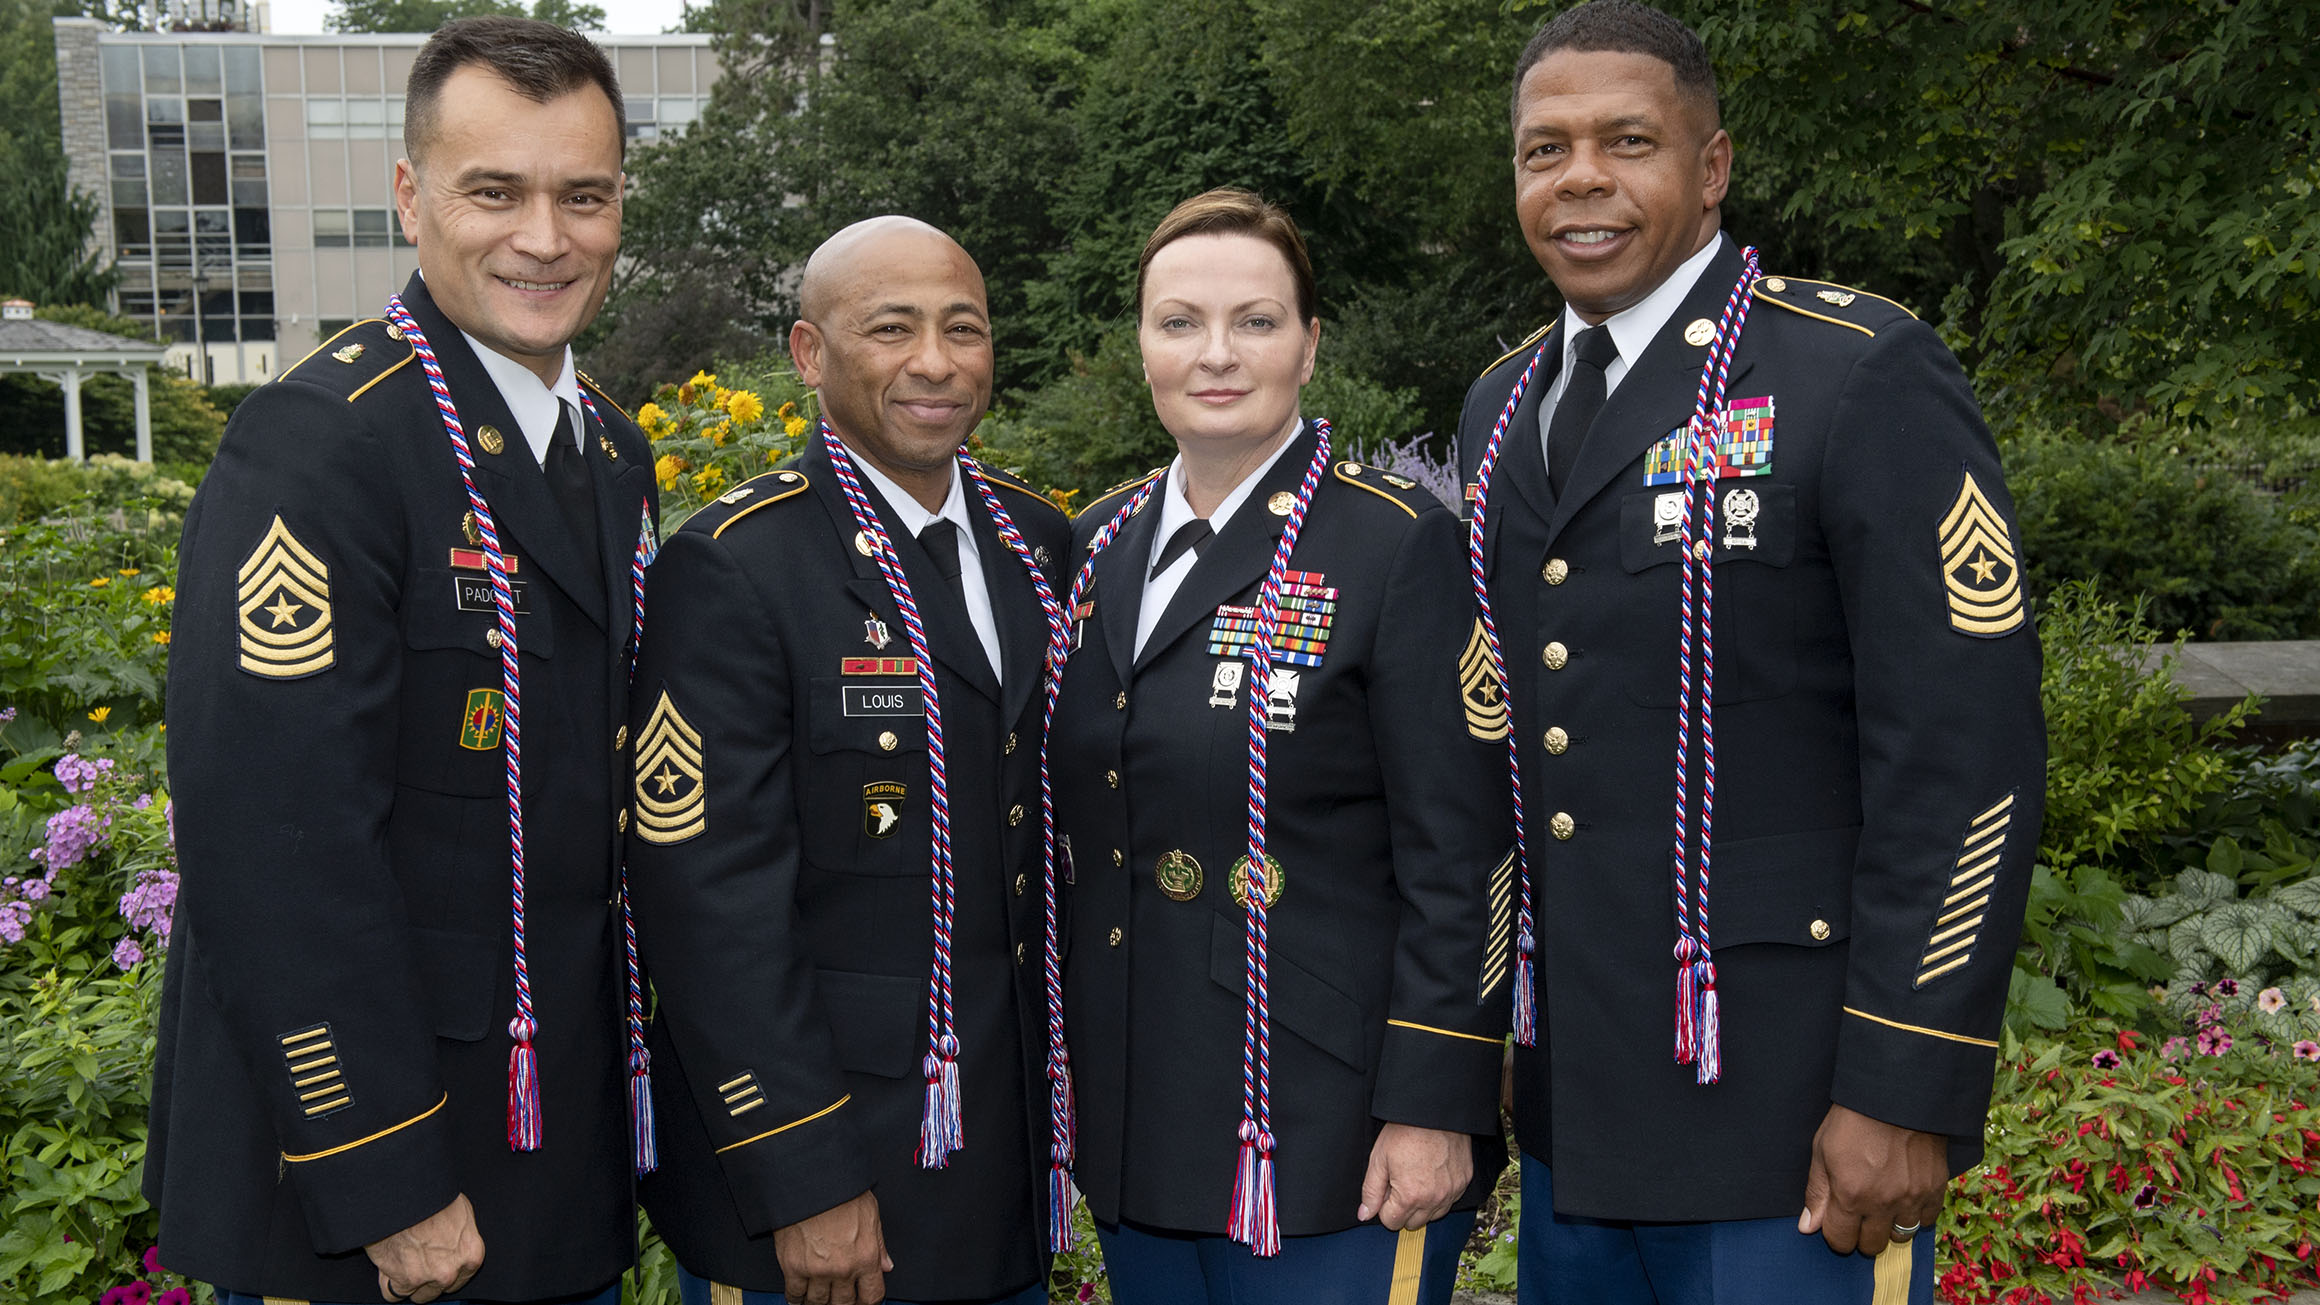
(838, 824)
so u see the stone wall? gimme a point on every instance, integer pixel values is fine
(80, 95)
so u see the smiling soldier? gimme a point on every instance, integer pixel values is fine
(1752, 578)
(378, 1075)
(838, 800)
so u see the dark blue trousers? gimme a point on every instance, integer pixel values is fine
(696, 1290)
(1563, 1260)
(1368, 1265)
(609, 1296)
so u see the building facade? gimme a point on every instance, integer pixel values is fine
(247, 180)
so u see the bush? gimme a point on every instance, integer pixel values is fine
(707, 438)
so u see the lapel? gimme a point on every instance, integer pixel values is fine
(1118, 587)
(1522, 457)
(1240, 555)
(1014, 609)
(1657, 394)
(510, 480)
(621, 490)
(950, 637)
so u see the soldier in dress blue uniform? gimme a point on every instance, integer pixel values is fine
(332, 1094)
(1778, 737)
(1315, 1078)
(835, 867)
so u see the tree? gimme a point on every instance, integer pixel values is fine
(46, 251)
(186, 425)
(427, 15)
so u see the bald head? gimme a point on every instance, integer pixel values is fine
(894, 334)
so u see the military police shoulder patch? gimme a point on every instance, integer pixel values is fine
(1978, 566)
(352, 362)
(282, 595)
(1478, 685)
(1392, 486)
(1826, 301)
(718, 515)
(1529, 343)
(672, 790)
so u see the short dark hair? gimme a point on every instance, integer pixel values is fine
(1626, 27)
(539, 60)
(1230, 211)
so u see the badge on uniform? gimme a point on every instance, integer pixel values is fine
(283, 597)
(1308, 609)
(672, 788)
(480, 721)
(1741, 507)
(648, 535)
(473, 593)
(882, 808)
(1745, 448)
(1281, 700)
(1978, 566)
(1224, 687)
(1486, 715)
(874, 632)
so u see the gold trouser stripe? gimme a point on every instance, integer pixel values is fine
(364, 1141)
(1931, 1033)
(1893, 1266)
(807, 1120)
(284, 1300)
(1447, 1033)
(1409, 1267)
(724, 1294)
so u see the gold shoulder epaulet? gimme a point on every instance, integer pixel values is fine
(352, 361)
(1377, 482)
(590, 381)
(1123, 487)
(1530, 341)
(718, 514)
(1826, 301)
(1006, 479)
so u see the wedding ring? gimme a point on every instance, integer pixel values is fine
(1904, 1231)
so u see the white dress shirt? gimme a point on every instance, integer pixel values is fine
(915, 518)
(1175, 512)
(1632, 329)
(533, 405)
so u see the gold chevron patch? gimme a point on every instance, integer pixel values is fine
(1978, 566)
(283, 594)
(1966, 903)
(671, 790)
(1494, 947)
(1486, 716)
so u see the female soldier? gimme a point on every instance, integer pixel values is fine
(1281, 810)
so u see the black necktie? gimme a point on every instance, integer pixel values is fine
(1192, 536)
(575, 496)
(1592, 351)
(940, 539)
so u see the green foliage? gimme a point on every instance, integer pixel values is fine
(45, 227)
(707, 437)
(186, 425)
(427, 15)
(2209, 932)
(2213, 555)
(85, 600)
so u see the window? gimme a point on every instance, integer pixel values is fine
(169, 176)
(124, 97)
(331, 229)
(253, 232)
(370, 228)
(161, 70)
(209, 178)
(201, 70)
(249, 178)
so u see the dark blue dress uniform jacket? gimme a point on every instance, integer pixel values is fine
(781, 870)
(1390, 945)
(345, 855)
(1880, 756)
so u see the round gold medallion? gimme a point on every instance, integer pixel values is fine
(1775, 284)
(862, 543)
(1700, 332)
(1240, 882)
(489, 438)
(1178, 875)
(1279, 504)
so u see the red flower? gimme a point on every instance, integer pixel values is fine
(2128, 1039)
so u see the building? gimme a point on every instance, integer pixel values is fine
(247, 180)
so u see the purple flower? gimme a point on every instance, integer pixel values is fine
(78, 774)
(2213, 1042)
(13, 916)
(2227, 987)
(152, 1260)
(136, 1293)
(2307, 1050)
(7, 714)
(2174, 1048)
(114, 1296)
(150, 901)
(72, 832)
(2147, 1197)
(2106, 1059)
(174, 1296)
(126, 954)
(35, 890)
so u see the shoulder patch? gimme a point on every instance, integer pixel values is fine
(1979, 567)
(672, 782)
(282, 595)
(1826, 301)
(1391, 486)
(349, 363)
(590, 382)
(1529, 343)
(718, 514)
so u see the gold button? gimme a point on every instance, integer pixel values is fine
(862, 543)
(1555, 655)
(1120, 700)
(1010, 745)
(1775, 284)
(1112, 777)
(1820, 930)
(1558, 742)
(492, 637)
(1115, 935)
(1556, 571)
(620, 738)
(1118, 858)
(622, 823)
(1701, 331)
(1015, 814)
(1021, 882)
(489, 438)
(887, 742)
(1563, 826)
(1020, 952)
(1280, 503)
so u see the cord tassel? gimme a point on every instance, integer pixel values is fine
(1687, 1004)
(640, 1114)
(938, 1127)
(1711, 1062)
(1253, 1221)
(1061, 1236)
(523, 1089)
(1526, 991)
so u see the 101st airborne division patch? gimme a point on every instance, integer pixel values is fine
(283, 596)
(672, 798)
(1978, 566)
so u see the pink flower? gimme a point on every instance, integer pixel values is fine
(2271, 1001)
(2213, 1042)
(2174, 1048)
(13, 917)
(174, 1296)
(2106, 1059)
(2227, 987)
(2307, 1050)
(139, 1292)
(127, 954)
(152, 1260)
(150, 901)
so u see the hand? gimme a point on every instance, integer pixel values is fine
(1868, 1175)
(1414, 1175)
(433, 1257)
(837, 1257)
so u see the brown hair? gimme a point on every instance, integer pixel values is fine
(1230, 211)
(539, 60)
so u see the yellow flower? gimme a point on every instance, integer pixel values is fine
(1062, 498)
(794, 427)
(703, 378)
(745, 407)
(100, 582)
(772, 456)
(709, 480)
(786, 411)
(160, 594)
(668, 468)
(129, 571)
(720, 433)
(650, 416)
(98, 714)
(161, 637)
(724, 396)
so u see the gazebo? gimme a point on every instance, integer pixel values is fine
(65, 354)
